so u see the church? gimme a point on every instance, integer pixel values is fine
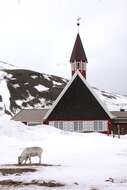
(78, 108)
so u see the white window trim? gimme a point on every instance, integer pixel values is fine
(97, 125)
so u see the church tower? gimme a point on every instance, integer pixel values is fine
(78, 58)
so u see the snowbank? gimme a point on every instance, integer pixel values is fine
(88, 159)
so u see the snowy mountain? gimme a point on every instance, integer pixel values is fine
(28, 89)
(21, 88)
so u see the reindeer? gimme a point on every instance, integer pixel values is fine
(28, 153)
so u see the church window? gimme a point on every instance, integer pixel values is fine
(75, 125)
(60, 125)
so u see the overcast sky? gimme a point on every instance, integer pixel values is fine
(40, 34)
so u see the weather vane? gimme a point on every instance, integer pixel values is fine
(78, 22)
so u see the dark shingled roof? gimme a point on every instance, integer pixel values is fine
(78, 53)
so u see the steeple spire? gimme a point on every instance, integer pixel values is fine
(78, 58)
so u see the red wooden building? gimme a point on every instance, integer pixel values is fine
(78, 108)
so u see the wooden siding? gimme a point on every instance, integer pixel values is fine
(122, 127)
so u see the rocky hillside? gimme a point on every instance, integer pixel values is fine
(29, 89)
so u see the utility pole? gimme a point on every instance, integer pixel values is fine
(118, 128)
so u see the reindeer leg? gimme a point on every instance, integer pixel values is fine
(40, 159)
(30, 159)
(26, 160)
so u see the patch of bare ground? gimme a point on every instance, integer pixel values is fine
(117, 180)
(16, 169)
(51, 183)
(33, 164)
(94, 188)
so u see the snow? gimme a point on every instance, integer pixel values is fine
(56, 83)
(29, 98)
(26, 83)
(113, 101)
(18, 102)
(47, 77)
(42, 103)
(4, 65)
(87, 159)
(34, 76)
(16, 85)
(41, 88)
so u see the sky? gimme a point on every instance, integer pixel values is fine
(40, 34)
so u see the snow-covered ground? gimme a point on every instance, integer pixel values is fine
(86, 160)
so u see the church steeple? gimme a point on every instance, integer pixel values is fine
(78, 58)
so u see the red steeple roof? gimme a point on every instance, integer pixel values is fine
(78, 53)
